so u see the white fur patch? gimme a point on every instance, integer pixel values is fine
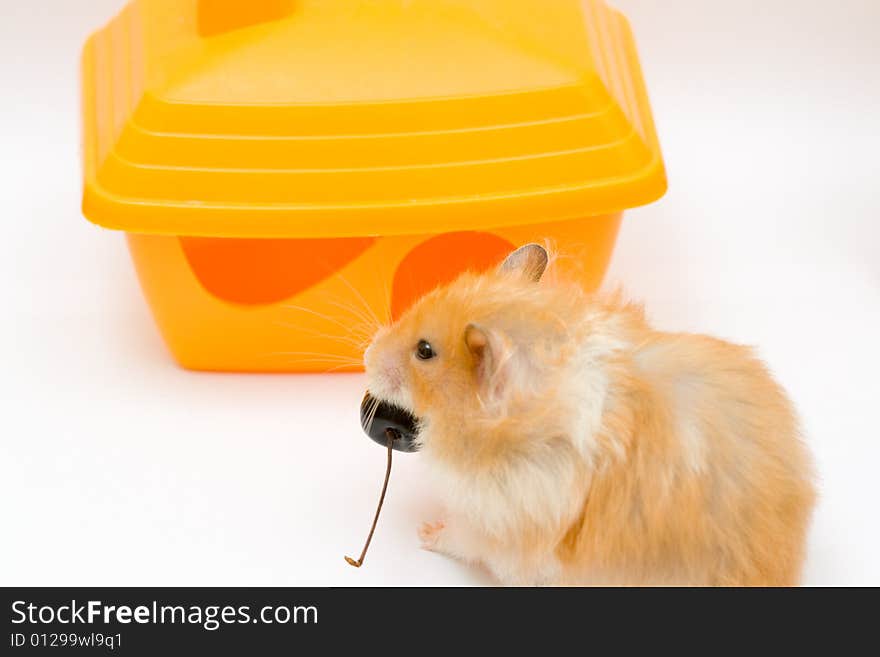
(589, 388)
(535, 490)
(684, 392)
(693, 443)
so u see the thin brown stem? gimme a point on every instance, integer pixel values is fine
(389, 434)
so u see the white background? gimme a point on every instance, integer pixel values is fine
(118, 468)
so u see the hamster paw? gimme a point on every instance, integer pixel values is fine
(429, 534)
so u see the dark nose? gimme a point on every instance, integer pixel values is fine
(388, 417)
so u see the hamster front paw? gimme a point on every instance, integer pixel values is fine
(429, 534)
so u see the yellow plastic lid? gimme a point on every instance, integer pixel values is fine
(331, 118)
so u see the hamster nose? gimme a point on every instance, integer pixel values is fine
(387, 416)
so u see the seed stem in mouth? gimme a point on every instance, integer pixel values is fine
(390, 436)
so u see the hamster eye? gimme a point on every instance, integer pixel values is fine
(425, 351)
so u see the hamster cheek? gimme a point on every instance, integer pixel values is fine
(387, 380)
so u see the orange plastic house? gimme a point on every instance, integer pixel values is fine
(290, 172)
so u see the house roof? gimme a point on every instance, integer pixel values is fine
(298, 118)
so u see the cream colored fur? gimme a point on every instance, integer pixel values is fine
(573, 444)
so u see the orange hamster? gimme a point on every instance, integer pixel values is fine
(573, 444)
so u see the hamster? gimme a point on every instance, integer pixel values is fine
(573, 444)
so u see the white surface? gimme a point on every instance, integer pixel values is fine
(118, 468)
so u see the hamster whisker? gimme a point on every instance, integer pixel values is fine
(374, 406)
(330, 367)
(338, 274)
(362, 332)
(321, 354)
(316, 357)
(339, 367)
(370, 312)
(317, 314)
(355, 311)
(358, 314)
(353, 341)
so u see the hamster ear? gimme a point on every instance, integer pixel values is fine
(491, 354)
(529, 260)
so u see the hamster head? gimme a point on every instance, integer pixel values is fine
(476, 352)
